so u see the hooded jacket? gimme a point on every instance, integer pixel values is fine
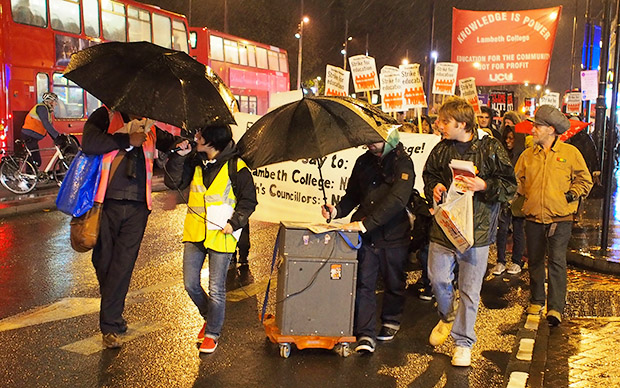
(180, 171)
(381, 187)
(494, 167)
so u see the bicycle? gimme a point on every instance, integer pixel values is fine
(20, 175)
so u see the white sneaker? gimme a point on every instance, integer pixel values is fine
(462, 356)
(440, 333)
(513, 269)
(499, 269)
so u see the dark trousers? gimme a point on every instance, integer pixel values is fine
(33, 146)
(549, 240)
(518, 237)
(120, 235)
(391, 263)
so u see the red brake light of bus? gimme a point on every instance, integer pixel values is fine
(10, 116)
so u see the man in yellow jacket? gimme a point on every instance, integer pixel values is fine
(552, 176)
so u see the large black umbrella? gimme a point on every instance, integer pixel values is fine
(147, 80)
(313, 127)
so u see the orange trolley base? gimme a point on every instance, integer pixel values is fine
(340, 344)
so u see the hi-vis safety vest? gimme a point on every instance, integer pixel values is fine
(201, 198)
(33, 121)
(148, 147)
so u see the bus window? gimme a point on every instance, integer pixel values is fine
(91, 17)
(243, 55)
(139, 21)
(65, 15)
(161, 31)
(193, 39)
(91, 103)
(261, 58)
(113, 20)
(243, 103)
(252, 105)
(231, 53)
(43, 85)
(179, 36)
(283, 62)
(70, 98)
(251, 55)
(33, 12)
(217, 48)
(273, 60)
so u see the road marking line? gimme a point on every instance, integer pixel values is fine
(517, 380)
(532, 322)
(63, 309)
(250, 290)
(94, 344)
(526, 348)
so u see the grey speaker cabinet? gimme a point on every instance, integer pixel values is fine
(316, 282)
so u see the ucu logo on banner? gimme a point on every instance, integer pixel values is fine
(500, 77)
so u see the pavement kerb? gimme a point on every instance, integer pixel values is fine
(523, 366)
(588, 261)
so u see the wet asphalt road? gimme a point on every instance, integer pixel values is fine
(49, 322)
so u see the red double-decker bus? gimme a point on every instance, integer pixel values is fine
(37, 38)
(253, 71)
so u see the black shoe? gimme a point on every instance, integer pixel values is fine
(365, 345)
(386, 333)
(425, 293)
(122, 328)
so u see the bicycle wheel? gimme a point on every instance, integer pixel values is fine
(18, 175)
(60, 168)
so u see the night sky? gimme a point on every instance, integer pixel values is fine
(394, 28)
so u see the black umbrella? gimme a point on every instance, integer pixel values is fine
(313, 127)
(147, 80)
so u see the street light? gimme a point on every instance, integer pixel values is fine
(345, 47)
(300, 35)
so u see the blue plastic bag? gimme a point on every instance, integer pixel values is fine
(77, 191)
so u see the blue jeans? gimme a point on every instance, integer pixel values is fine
(211, 306)
(518, 237)
(552, 240)
(472, 266)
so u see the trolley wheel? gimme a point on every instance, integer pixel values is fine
(343, 349)
(285, 350)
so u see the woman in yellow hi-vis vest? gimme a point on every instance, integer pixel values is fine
(221, 199)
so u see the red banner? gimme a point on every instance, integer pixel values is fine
(504, 47)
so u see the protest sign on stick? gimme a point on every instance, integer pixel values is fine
(445, 78)
(391, 89)
(470, 93)
(336, 81)
(364, 73)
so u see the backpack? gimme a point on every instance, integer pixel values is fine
(232, 173)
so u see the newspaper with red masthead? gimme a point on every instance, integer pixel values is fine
(460, 169)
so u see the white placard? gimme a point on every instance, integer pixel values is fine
(445, 78)
(573, 103)
(391, 89)
(413, 91)
(552, 99)
(364, 70)
(470, 93)
(291, 191)
(283, 98)
(589, 85)
(336, 81)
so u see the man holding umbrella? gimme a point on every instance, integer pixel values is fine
(128, 147)
(380, 185)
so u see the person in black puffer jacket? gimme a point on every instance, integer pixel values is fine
(380, 187)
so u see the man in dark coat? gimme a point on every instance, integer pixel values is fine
(493, 184)
(380, 184)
